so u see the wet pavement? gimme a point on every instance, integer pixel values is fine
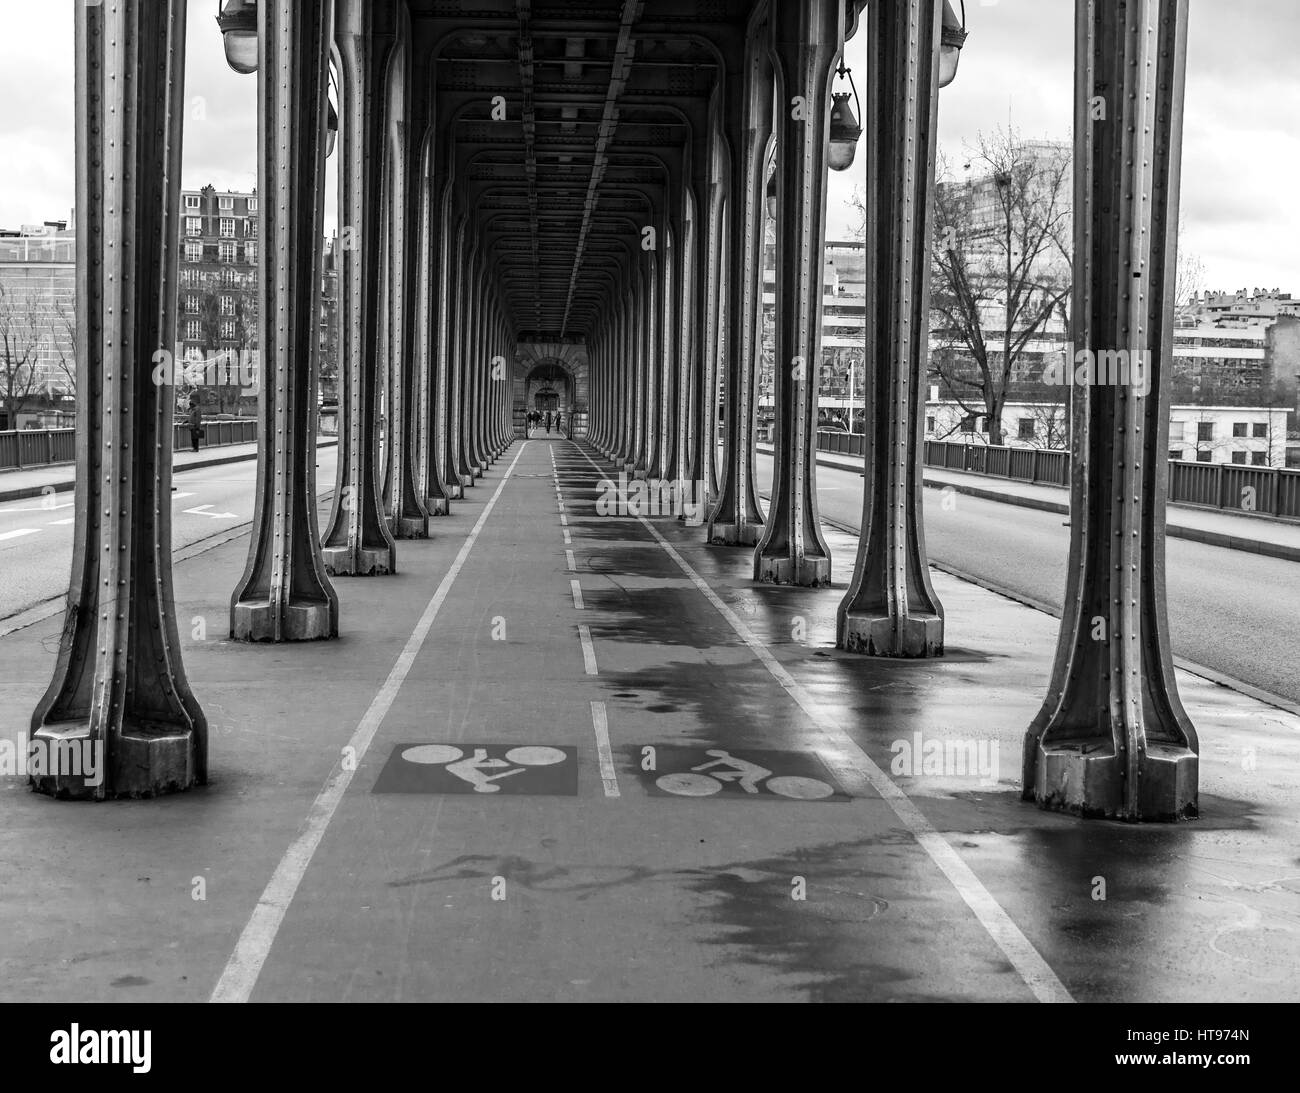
(567, 756)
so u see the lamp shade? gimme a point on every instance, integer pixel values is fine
(238, 23)
(952, 38)
(771, 196)
(844, 133)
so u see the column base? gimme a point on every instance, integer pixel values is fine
(805, 572)
(456, 492)
(735, 534)
(409, 527)
(301, 622)
(364, 562)
(1090, 783)
(437, 506)
(883, 636)
(149, 759)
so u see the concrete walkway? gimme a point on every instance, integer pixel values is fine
(34, 481)
(1257, 534)
(560, 756)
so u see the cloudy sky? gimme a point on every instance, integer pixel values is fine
(1241, 140)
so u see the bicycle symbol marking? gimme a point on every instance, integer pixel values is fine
(750, 777)
(480, 768)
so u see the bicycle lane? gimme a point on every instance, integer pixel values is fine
(451, 889)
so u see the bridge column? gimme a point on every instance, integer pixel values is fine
(405, 496)
(805, 42)
(118, 718)
(284, 594)
(891, 609)
(358, 542)
(736, 519)
(1112, 738)
(712, 257)
(459, 363)
(428, 394)
(640, 387)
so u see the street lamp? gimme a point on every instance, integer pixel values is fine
(844, 127)
(238, 23)
(951, 39)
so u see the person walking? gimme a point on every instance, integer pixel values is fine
(196, 423)
(548, 422)
(559, 422)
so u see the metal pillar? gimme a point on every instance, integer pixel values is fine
(284, 594)
(736, 519)
(1112, 738)
(118, 718)
(805, 42)
(358, 542)
(891, 608)
(428, 388)
(403, 494)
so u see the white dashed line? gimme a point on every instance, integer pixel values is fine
(576, 589)
(608, 775)
(588, 650)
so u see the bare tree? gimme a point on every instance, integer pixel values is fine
(64, 341)
(857, 203)
(240, 312)
(1000, 268)
(20, 344)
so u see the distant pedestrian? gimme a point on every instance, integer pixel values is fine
(196, 423)
(559, 423)
(548, 422)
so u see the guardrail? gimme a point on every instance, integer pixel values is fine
(1232, 487)
(40, 447)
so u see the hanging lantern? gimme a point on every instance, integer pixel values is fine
(238, 23)
(844, 128)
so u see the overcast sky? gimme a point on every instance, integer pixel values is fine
(1241, 150)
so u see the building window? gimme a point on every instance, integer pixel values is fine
(1175, 453)
(1259, 459)
(1026, 428)
(227, 227)
(1261, 428)
(192, 302)
(192, 332)
(1204, 431)
(227, 278)
(193, 225)
(250, 228)
(1239, 457)
(228, 330)
(226, 251)
(969, 424)
(224, 203)
(252, 204)
(193, 252)
(1202, 457)
(191, 201)
(1239, 428)
(929, 423)
(227, 305)
(250, 252)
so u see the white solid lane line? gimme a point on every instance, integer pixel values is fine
(853, 765)
(254, 946)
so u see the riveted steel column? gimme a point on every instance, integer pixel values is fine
(713, 257)
(358, 542)
(466, 251)
(736, 519)
(428, 390)
(405, 501)
(1112, 738)
(805, 41)
(284, 594)
(891, 608)
(118, 719)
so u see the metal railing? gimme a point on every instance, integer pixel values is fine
(1233, 487)
(40, 447)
